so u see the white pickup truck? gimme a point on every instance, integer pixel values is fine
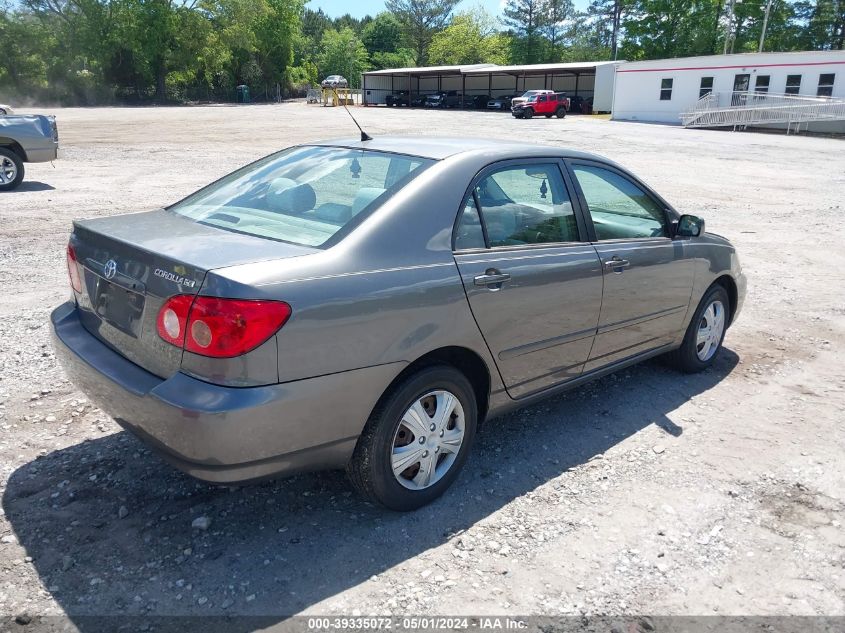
(25, 138)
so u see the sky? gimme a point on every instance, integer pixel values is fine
(360, 8)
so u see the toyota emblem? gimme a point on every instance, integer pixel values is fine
(110, 269)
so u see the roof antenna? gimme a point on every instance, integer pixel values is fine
(364, 135)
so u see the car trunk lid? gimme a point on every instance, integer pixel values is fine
(131, 264)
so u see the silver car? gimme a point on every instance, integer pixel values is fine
(30, 138)
(369, 304)
(335, 81)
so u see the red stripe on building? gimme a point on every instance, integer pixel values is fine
(663, 70)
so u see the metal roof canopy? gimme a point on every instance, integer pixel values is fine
(484, 69)
(432, 70)
(540, 69)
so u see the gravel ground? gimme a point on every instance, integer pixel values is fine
(644, 492)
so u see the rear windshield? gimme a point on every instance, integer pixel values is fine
(304, 195)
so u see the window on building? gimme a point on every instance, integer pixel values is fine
(666, 89)
(826, 85)
(706, 87)
(762, 83)
(793, 84)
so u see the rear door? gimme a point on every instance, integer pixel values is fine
(534, 285)
(647, 276)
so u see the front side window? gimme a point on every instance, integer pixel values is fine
(303, 195)
(666, 89)
(526, 204)
(826, 82)
(793, 84)
(618, 207)
(706, 87)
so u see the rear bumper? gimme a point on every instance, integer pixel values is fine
(42, 154)
(224, 434)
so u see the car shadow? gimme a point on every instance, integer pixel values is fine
(108, 524)
(32, 185)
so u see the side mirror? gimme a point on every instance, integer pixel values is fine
(690, 226)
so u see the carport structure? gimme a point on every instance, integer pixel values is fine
(584, 79)
(377, 84)
(574, 78)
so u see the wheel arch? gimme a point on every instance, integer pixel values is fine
(13, 145)
(468, 362)
(727, 282)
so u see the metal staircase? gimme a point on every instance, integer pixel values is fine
(742, 109)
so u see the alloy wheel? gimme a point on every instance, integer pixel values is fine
(8, 170)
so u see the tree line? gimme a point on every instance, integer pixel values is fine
(136, 51)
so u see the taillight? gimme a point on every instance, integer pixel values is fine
(220, 328)
(172, 319)
(73, 269)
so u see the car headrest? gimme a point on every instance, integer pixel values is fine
(364, 197)
(288, 196)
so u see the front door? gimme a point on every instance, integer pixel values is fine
(534, 284)
(741, 84)
(647, 278)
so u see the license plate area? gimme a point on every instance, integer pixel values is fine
(119, 307)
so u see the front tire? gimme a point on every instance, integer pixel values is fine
(416, 440)
(527, 113)
(11, 169)
(703, 339)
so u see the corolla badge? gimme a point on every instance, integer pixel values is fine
(110, 269)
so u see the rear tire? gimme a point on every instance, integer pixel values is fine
(388, 432)
(11, 169)
(705, 333)
(561, 112)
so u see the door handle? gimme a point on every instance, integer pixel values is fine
(490, 278)
(616, 263)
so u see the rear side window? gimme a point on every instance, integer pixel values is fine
(304, 195)
(525, 204)
(469, 233)
(619, 208)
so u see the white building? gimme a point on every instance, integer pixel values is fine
(659, 90)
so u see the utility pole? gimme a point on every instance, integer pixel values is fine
(765, 24)
(729, 28)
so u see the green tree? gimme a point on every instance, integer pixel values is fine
(471, 38)
(824, 24)
(383, 34)
(343, 53)
(420, 20)
(605, 18)
(526, 20)
(662, 28)
(555, 24)
(22, 66)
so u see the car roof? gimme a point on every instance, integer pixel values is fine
(440, 147)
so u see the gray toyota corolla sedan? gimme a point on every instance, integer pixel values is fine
(367, 304)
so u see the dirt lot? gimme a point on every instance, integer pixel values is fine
(645, 492)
